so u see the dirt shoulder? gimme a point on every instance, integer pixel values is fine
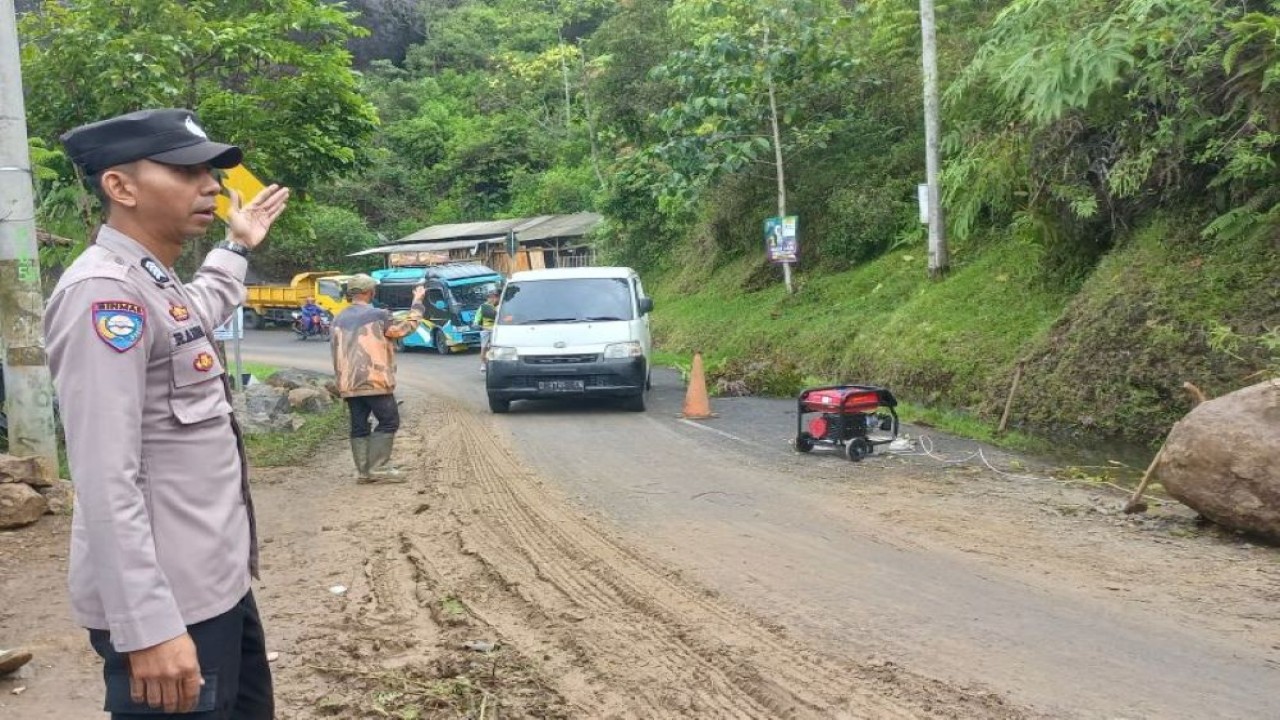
(475, 590)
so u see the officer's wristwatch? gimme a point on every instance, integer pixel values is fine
(235, 247)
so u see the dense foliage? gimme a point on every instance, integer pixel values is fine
(270, 75)
(1071, 128)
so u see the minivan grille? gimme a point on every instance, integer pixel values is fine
(560, 359)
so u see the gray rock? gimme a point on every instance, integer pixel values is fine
(310, 400)
(60, 496)
(293, 378)
(20, 505)
(1223, 460)
(259, 424)
(266, 400)
(29, 470)
(263, 409)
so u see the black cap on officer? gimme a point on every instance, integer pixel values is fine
(169, 136)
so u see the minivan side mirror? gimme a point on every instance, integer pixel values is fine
(646, 306)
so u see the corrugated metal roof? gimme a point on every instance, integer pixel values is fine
(458, 231)
(541, 227)
(428, 246)
(560, 226)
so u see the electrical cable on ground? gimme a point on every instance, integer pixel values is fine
(927, 450)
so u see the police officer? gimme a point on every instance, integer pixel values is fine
(163, 542)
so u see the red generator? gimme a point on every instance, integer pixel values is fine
(846, 415)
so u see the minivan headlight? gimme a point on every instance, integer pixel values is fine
(499, 353)
(622, 351)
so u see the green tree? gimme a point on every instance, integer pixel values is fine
(750, 89)
(1082, 118)
(270, 75)
(317, 237)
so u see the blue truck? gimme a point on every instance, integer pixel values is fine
(454, 293)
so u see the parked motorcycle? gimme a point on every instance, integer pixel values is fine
(319, 326)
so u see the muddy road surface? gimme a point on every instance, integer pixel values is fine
(572, 561)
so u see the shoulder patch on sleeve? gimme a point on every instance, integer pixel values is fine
(119, 323)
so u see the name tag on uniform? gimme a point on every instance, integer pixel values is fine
(186, 335)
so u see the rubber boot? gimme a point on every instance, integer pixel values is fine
(360, 454)
(380, 467)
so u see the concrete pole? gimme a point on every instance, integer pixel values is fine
(28, 392)
(939, 260)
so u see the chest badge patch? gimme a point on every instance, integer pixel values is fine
(119, 324)
(179, 312)
(157, 274)
(203, 362)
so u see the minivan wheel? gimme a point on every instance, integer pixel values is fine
(499, 405)
(437, 339)
(635, 403)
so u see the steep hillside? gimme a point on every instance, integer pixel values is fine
(1107, 359)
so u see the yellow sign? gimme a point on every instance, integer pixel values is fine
(243, 182)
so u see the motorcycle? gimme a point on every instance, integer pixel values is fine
(319, 326)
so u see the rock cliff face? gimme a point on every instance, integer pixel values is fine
(393, 25)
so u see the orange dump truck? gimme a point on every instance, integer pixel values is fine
(275, 304)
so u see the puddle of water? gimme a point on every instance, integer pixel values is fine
(1117, 461)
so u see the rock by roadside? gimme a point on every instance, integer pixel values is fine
(275, 406)
(1223, 460)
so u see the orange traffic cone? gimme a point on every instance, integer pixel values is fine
(697, 406)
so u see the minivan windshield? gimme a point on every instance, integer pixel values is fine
(567, 300)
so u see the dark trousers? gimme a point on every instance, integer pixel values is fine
(382, 407)
(233, 660)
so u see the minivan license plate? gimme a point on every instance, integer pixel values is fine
(562, 386)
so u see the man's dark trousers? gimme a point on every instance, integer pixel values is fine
(233, 660)
(382, 407)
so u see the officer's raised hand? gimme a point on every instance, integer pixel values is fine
(248, 224)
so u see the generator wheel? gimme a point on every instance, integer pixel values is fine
(857, 448)
(804, 442)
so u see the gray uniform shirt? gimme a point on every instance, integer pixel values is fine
(162, 536)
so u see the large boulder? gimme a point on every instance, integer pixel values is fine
(20, 505)
(293, 378)
(29, 470)
(310, 400)
(1223, 460)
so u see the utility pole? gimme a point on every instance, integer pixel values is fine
(28, 392)
(777, 159)
(939, 262)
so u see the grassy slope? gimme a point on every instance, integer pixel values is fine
(1108, 358)
(1142, 325)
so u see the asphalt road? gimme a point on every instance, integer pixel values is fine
(730, 504)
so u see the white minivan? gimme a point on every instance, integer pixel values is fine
(571, 332)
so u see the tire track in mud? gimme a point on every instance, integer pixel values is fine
(652, 644)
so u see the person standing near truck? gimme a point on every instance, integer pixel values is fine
(363, 340)
(486, 318)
